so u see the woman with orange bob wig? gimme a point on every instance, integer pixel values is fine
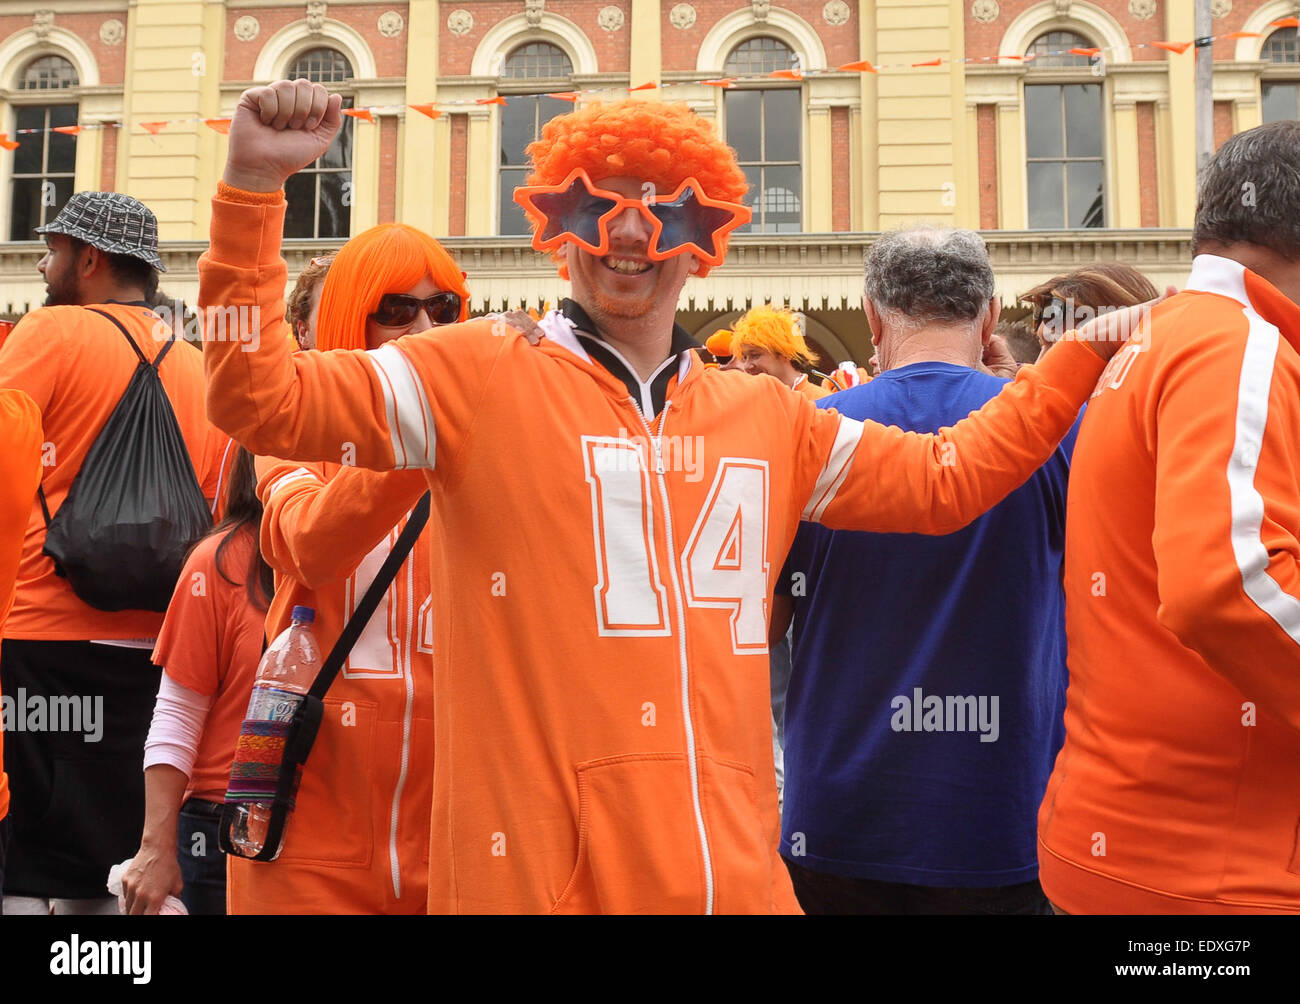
(358, 838)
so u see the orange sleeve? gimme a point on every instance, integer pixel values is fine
(1225, 422)
(317, 529)
(189, 642)
(28, 357)
(406, 405)
(872, 477)
(20, 474)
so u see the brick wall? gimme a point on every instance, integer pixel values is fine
(681, 47)
(987, 132)
(613, 48)
(841, 168)
(111, 59)
(1148, 166)
(1222, 122)
(388, 169)
(459, 154)
(108, 165)
(389, 53)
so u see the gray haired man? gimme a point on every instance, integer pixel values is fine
(925, 700)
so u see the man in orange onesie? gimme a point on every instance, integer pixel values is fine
(612, 515)
(1178, 787)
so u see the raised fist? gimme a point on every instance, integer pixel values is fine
(278, 130)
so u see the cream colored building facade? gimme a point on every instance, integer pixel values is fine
(953, 144)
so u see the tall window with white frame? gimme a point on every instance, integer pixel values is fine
(763, 127)
(524, 71)
(1065, 143)
(320, 196)
(1280, 83)
(45, 161)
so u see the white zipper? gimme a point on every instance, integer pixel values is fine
(656, 443)
(409, 673)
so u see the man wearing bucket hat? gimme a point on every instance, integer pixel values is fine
(77, 792)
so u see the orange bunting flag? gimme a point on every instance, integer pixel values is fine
(360, 113)
(644, 87)
(861, 66)
(71, 130)
(570, 96)
(7, 143)
(1286, 22)
(787, 74)
(1081, 51)
(220, 125)
(152, 128)
(723, 82)
(930, 62)
(498, 100)
(1178, 47)
(1240, 34)
(426, 109)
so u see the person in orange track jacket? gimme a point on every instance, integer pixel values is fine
(612, 514)
(1178, 787)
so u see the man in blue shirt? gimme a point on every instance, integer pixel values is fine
(928, 684)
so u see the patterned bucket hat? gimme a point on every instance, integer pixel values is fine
(112, 222)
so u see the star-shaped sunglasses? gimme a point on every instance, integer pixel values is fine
(685, 222)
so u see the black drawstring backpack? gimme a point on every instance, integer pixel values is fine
(135, 508)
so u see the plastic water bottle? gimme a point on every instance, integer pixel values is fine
(286, 672)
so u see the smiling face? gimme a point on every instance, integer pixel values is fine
(754, 361)
(625, 284)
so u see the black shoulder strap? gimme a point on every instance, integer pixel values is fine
(131, 341)
(366, 608)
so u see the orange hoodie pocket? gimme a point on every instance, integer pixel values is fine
(333, 820)
(743, 850)
(638, 844)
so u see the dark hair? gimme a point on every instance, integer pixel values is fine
(1250, 192)
(243, 513)
(1103, 285)
(1020, 340)
(128, 270)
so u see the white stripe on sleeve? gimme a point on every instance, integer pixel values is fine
(300, 474)
(836, 468)
(1247, 504)
(410, 418)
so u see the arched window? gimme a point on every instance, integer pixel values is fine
(763, 128)
(1064, 137)
(523, 116)
(1280, 88)
(45, 161)
(320, 196)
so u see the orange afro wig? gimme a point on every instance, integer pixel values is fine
(719, 344)
(389, 258)
(648, 140)
(776, 330)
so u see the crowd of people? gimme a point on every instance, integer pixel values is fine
(1004, 620)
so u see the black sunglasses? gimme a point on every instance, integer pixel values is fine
(1052, 314)
(396, 310)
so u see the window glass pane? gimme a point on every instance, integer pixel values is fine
(28, 158)
(511, 218)
(548, 108)
(1083, 120)
(321, 66)
(339, 153)
(517, 118)
(781, 200)
(781, 115)
(300, 193)
(1283, 46)
(1085, 187)
(759, 55)
(46, 73)
(334, 216)
(1281, 102)
(753, 176)
(1043, 121)
(744, 132)
(537, 60)
(1060, 42)
(62, 156)
(1046, 197)
(25, 209)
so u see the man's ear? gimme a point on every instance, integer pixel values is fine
(873, 320)
(991, 320)
(91, 261)
(694, 268)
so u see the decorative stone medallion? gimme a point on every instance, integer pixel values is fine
(836, 12)
(112, 31)
(246, 28)
(460, 21)
(985, 11)
(610, 18)
(1143, 10)
(682, 16)
(390, 24)
(1221, 8)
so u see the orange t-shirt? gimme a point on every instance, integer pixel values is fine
(75, 365)
(20, 473)
(810, 390)
(211, 642)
